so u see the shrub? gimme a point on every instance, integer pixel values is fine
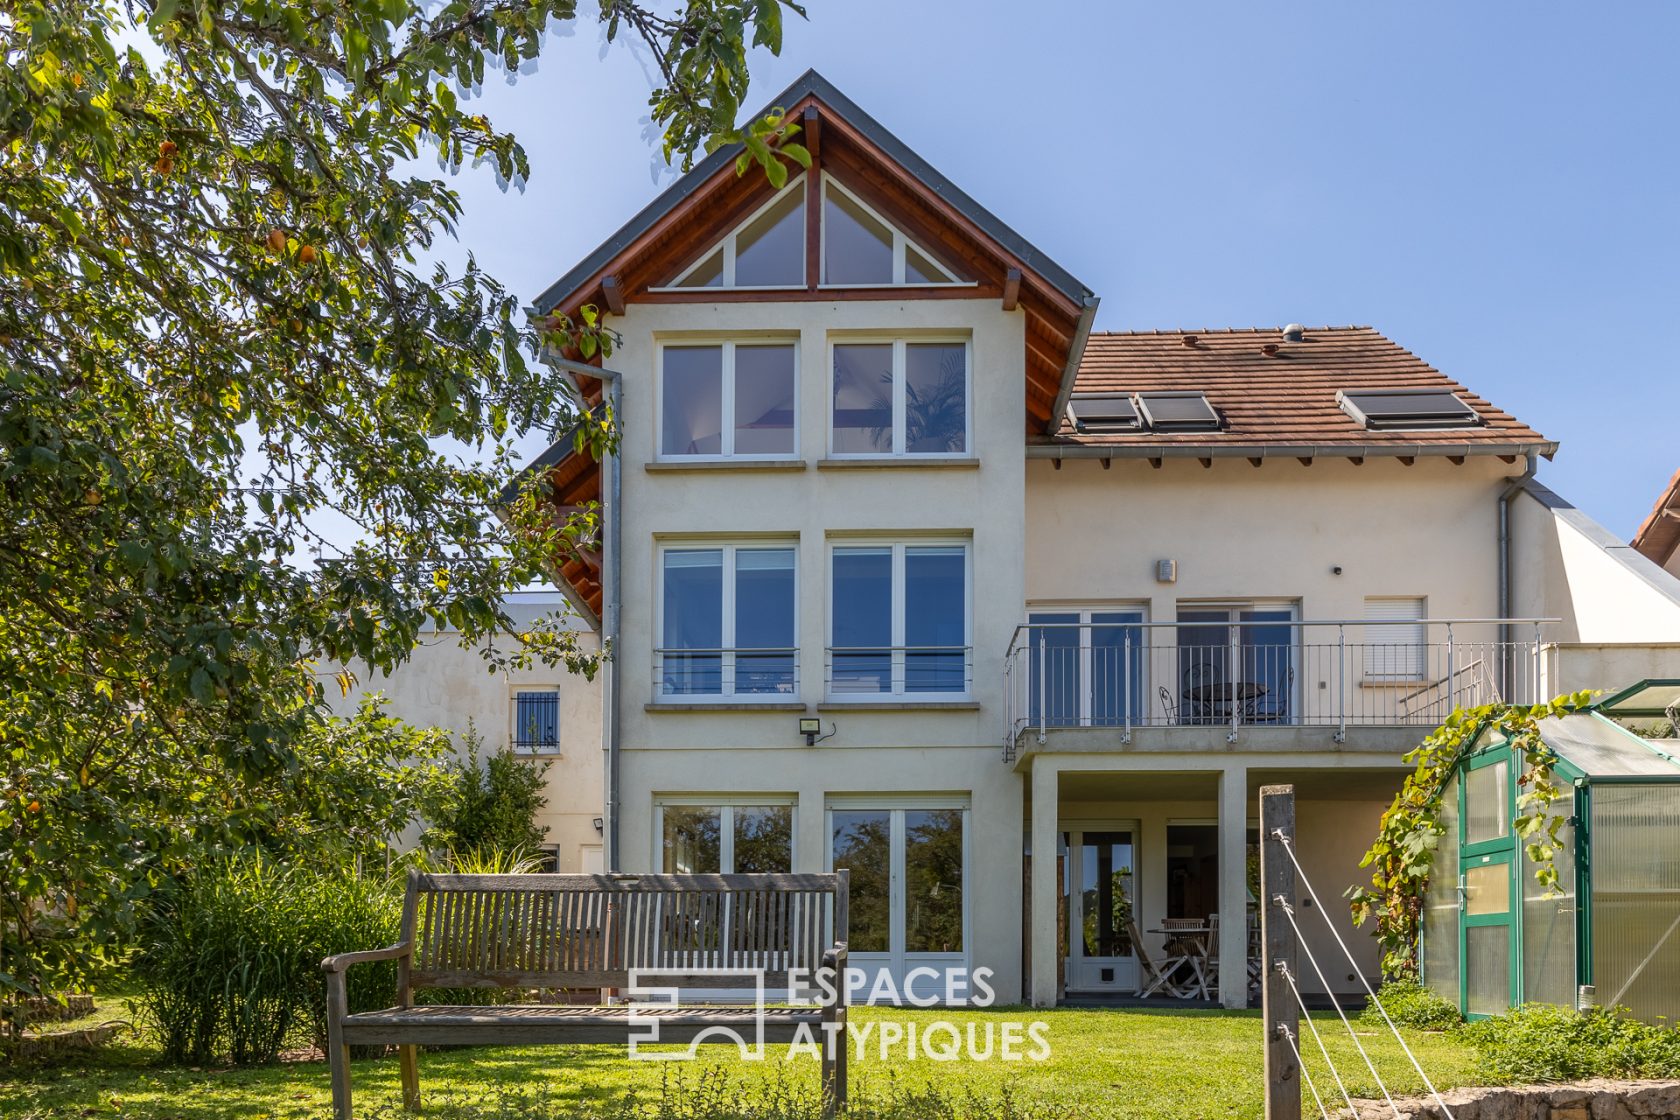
(231, 962)
(1542, 1042)
(488, 806)
(1410, 1004)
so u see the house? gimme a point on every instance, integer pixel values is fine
(908, 570)
(544, 714)
(1658, 539)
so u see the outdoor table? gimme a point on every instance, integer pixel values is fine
(1209, 699)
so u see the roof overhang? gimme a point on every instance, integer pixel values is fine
(1659, 534)
(1131, 449)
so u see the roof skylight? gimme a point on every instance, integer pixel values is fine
(1400, 409)
(1103, 412)
(1178, 412)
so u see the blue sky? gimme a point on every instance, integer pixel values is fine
(1496, 186)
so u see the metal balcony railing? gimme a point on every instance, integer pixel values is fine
(916, 672)
(1264, 673)
(743, 674)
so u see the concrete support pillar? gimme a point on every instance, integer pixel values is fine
(1233, 887)
(1046, 781)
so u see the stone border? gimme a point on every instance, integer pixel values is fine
(1598, 1099)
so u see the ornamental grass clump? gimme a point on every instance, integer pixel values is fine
(230, 968)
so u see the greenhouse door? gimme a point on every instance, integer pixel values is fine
(1489, 969)
(1489, 975)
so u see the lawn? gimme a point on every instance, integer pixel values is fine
(1132, 1064)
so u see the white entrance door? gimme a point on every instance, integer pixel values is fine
(908, 899)
(1101, 886)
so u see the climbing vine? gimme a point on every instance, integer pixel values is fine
(1411, 831)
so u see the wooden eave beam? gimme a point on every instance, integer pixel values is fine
(613, 293)
(1011, 289)
(811, 128)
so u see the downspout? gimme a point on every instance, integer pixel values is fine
(1506, 635)
(611, 601)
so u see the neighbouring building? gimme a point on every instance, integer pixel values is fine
(545, 714)
(909, 571)
(1658, 538)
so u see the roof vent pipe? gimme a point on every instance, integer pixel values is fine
(1294, 332)
(1189, 340)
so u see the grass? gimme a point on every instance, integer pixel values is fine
(1134, 1064)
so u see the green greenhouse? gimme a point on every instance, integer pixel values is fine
(1492, 938)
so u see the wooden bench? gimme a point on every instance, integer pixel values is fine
(591, 932)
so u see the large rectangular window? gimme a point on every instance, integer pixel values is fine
(743, 838)
(727, 400)
(900, 398)
(899, 619)
(727, 622)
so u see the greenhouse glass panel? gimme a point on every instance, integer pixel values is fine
(1487, 809)
(1636, 897)
(1487, 890)
(1487, 968)
(1548, 940)
(1440, 905)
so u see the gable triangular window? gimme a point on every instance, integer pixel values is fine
(765, 251)
(862, 249)
(859, 248)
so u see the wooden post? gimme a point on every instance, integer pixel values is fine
(1278, 948)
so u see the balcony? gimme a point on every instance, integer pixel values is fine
(1257, 669)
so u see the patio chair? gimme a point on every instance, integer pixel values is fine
(1213, 949)
(1273, 707)
(1203, 708)
(1153, 977)
(1191, 950)
(1255, 954)
(1169, 706)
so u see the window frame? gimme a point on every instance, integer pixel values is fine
(900, 373)
(897, 673)
(726, 804)
(727, 244)
(726, 404)
(901, 242)
(515, 692)
(726, 660)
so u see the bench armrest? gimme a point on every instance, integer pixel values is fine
(341, 961)
(835, 959)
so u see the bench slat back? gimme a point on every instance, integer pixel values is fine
(590, 931)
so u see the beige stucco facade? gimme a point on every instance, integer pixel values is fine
(447, 685)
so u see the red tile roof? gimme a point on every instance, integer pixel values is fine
(1285, 400)
(1659, 534)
